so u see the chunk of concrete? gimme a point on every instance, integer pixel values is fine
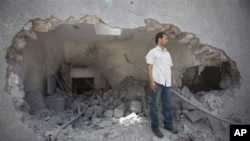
(106, 123)
(176, 103)
(105, 96)
(96, 121)
(89, 112)
(123, 94)
(101, 101)
(217, 127)
(135, 106)
(118, 113)
(195, 116)
(98, 110)
(108, 113)
(116, 102)
(94, 102)
(186, 92)
(111, 99)
(186, 129)
(188, 106)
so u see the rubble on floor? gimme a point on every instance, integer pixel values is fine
(122, 114)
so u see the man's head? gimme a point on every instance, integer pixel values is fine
(161, 39)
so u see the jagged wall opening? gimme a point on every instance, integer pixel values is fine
(52, 45)
(208, 79)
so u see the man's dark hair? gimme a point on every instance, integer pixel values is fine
(159, 35)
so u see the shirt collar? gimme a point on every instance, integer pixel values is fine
(159, 48)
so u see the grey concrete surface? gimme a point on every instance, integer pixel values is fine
(223, 24)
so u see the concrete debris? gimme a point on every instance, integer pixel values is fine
(135, 106)
(217, 127)
(108, 113)
(116, 102)
(195, 116)
(136, 93)
(114, 114)
(96, 121)
(106, 123)
(89, 112)
(186, 129)
(98, 110)
(187, 94)
(214, 103)
(94, 102)
(130, 119)
(176, 103)
(118, 113)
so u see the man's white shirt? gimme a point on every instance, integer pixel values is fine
(162, 63)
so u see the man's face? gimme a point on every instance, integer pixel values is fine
(164, 40)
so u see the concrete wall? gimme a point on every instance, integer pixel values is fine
(223, 24)
(41, 57)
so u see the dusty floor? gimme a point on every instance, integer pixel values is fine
(96, 124)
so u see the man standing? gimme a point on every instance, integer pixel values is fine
(161, 78)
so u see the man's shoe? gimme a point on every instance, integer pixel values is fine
(158, 133)
(171, 129)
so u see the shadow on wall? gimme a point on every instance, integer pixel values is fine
(51, 43)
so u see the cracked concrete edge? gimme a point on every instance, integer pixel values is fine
(190, 39)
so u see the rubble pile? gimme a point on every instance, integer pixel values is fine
(115, 103)
(123, 105)
(195, 124)
(122, 114)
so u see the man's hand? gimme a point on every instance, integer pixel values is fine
(174, 84)
(153, 86)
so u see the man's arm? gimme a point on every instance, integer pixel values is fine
(150, 77)
(174, 84)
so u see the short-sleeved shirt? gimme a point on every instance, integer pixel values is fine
(162, 63)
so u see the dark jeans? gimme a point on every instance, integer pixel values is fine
(164, 93)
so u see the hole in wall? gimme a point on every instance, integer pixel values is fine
(208, 78)
(68, 67)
